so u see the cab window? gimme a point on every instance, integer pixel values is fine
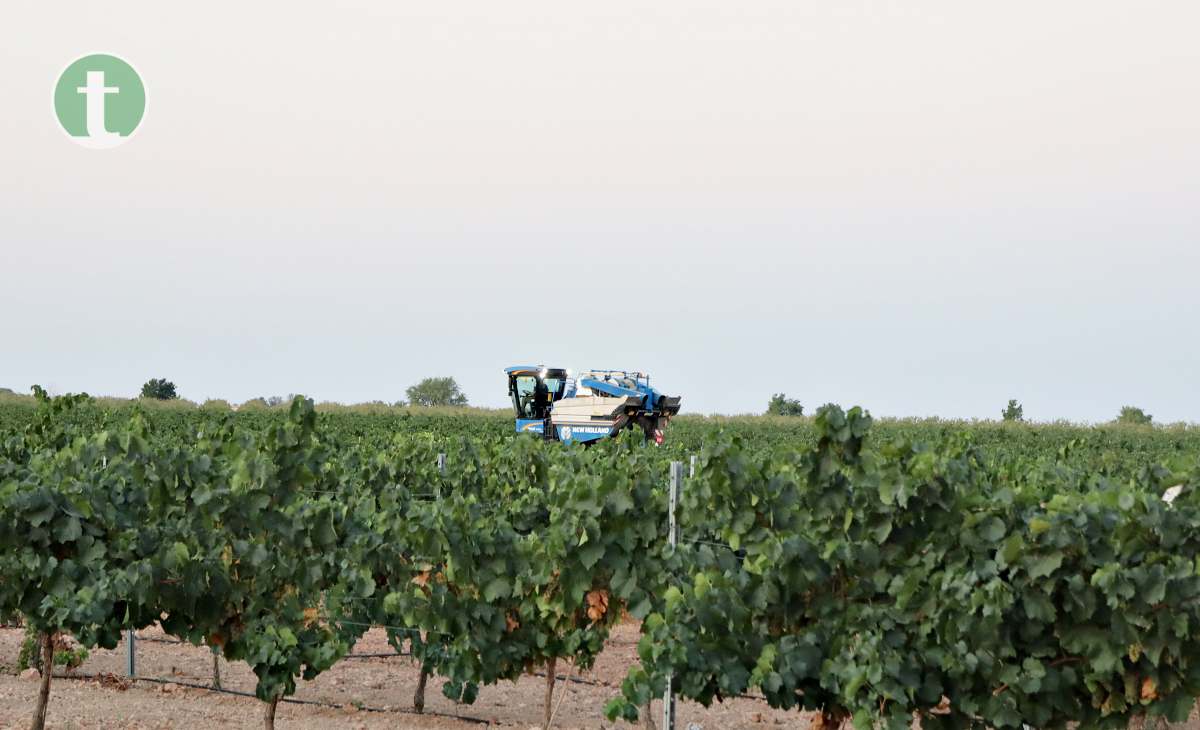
(530, 398)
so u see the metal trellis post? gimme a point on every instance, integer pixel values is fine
(673, 540)
(130, 654)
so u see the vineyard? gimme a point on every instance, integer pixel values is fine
(971, 575)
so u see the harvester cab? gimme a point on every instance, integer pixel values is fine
(550, 402)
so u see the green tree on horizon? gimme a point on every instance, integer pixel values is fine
(436, 392)
(159, 389)
(781, 405)
(1014, 411)
(1135, 416)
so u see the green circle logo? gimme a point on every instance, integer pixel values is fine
(99, 101)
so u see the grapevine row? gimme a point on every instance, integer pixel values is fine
(863, 581)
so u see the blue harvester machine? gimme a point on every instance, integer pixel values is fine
(550, 402)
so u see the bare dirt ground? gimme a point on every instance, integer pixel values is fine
(356, 693)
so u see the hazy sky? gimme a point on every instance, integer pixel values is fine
(920, 207)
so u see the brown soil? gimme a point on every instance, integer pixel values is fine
(382, 688)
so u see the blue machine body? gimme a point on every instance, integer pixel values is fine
(583, 434)
(531, 425)
(650, 397)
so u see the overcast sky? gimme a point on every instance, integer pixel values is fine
(920, 207)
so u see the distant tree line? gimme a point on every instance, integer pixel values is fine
(1129, 415)
(1014, 412)
(445, 391)
(430, 392)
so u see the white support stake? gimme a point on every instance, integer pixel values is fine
(130, 654)
(673, 540)
(692, 471)
(442, 471)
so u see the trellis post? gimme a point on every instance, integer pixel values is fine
(673, 540)
(441, 471)
(130, 653)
